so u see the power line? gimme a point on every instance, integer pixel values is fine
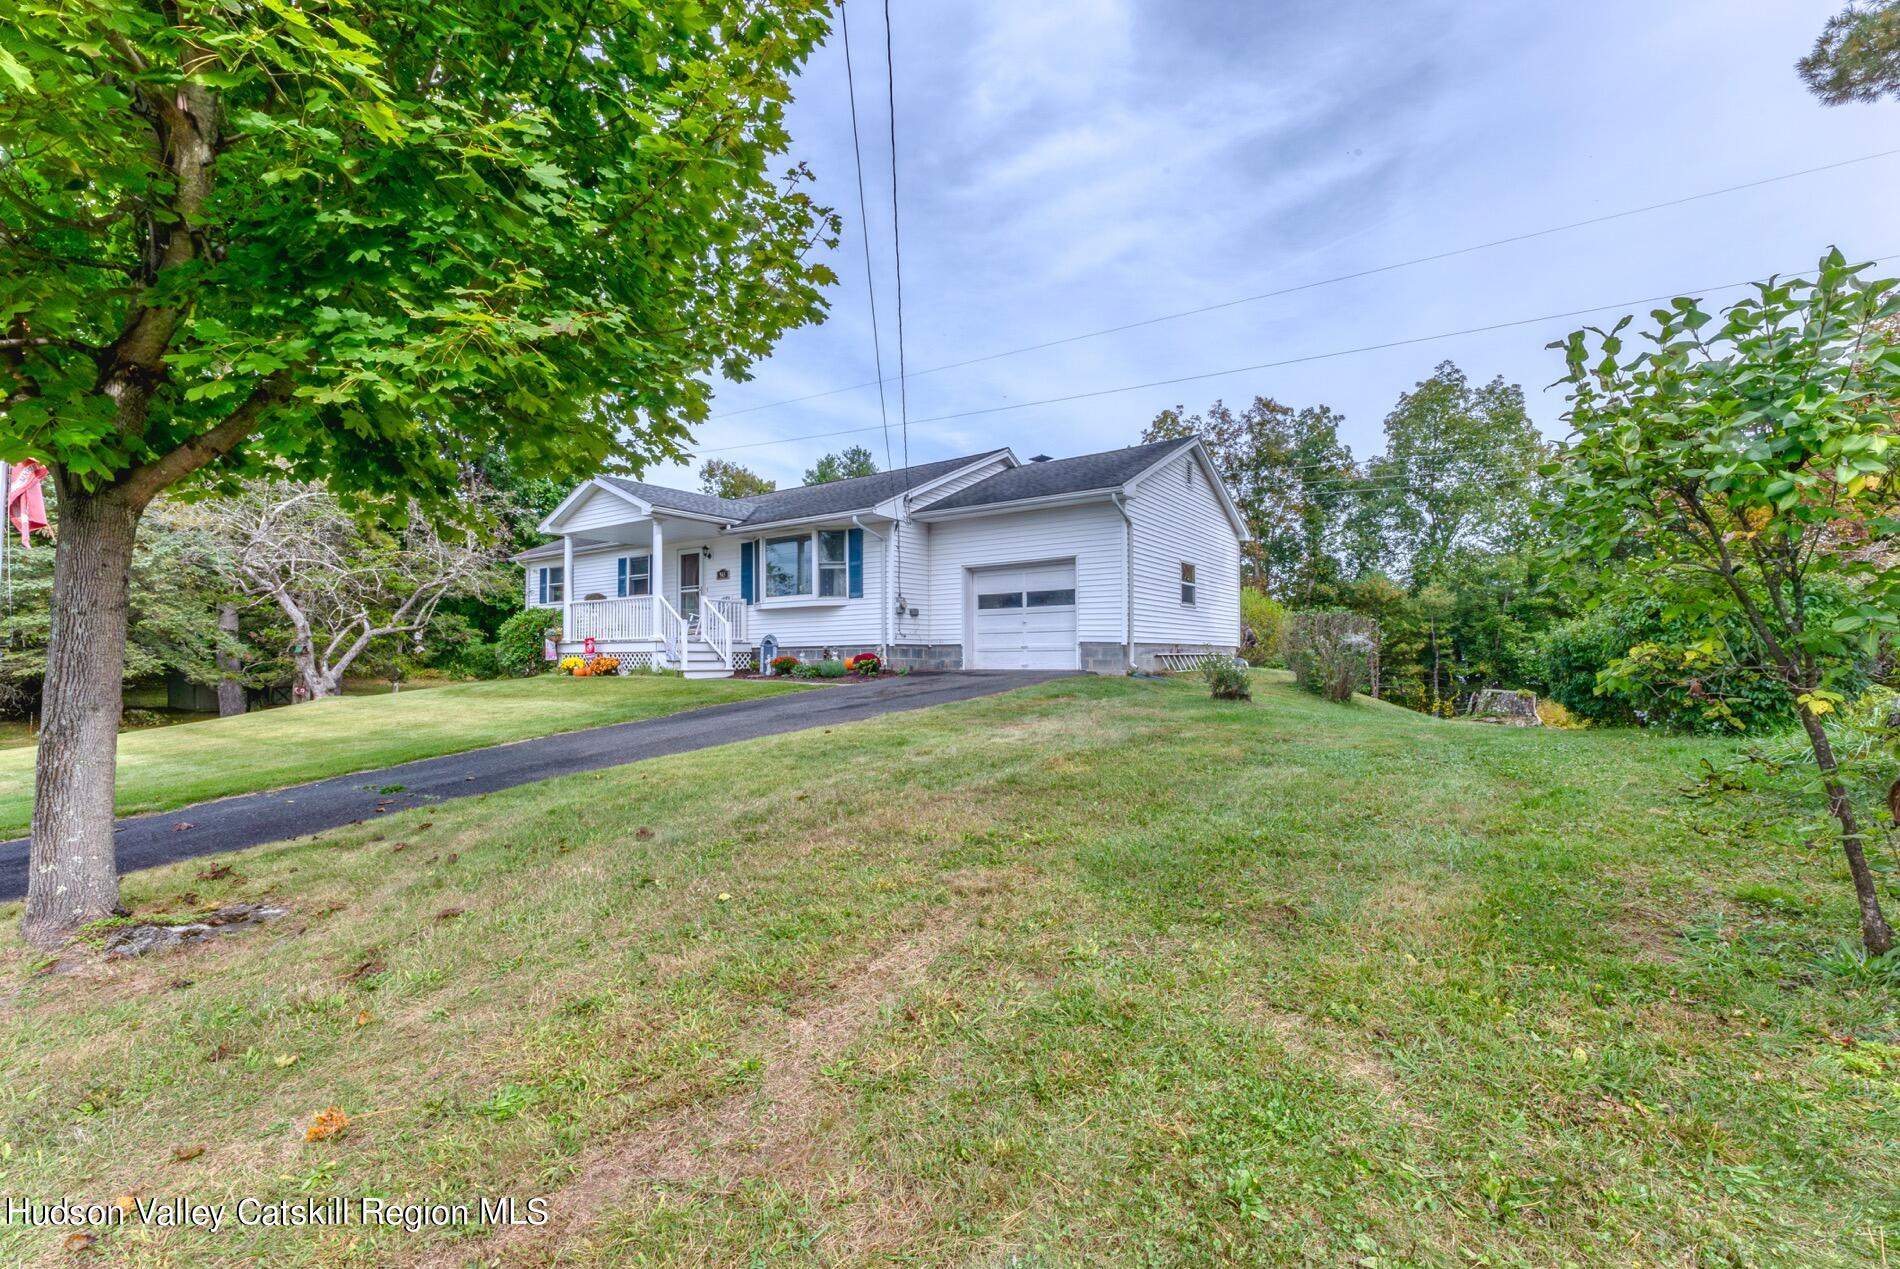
(1324, 282)
(864, 226)
(1265, 365)
(897, 238)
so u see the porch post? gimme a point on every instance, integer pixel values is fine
(567, 587)
(659, 579)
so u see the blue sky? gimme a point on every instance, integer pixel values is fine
(1068, 165)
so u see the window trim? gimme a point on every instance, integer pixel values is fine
(811, 577)
(1190, 585)
(624, 576)
(547, 589)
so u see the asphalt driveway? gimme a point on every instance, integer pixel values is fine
(252, 819)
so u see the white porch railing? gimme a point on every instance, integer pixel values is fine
(671, 630)
(716, 629)
(620, 619)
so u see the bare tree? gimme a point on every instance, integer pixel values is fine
(341, 581)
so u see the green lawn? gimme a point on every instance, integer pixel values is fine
(1099, 972)
(167, 767)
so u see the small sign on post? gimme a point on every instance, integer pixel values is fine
(587, 646)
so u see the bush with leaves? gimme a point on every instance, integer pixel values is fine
(1225, 680)
(1262, 624)
(520, 644)
(1330, 651)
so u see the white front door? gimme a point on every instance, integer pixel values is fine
(689, 583)
(1024, 618)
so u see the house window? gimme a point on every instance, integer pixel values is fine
(1187, 583)
(1052, 599)
(551, 584)
(1000, 599)
(634, 575)
(832, 580)
(787, 566)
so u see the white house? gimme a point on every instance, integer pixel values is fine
(1100, 562)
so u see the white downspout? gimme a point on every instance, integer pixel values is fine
(884, 619)
(1128, 578)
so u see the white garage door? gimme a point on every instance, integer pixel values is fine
(1025, 618)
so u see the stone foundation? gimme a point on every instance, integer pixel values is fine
(1103, 658)
(927, 656)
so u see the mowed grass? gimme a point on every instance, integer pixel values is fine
(161, 769)
(1100, 971)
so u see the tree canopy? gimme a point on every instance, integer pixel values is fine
(1857, 55)
(855, 461)
(723, 479)
(358, 244)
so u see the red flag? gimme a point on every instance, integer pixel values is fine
(26, 505)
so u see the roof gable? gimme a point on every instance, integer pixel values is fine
(1063, 477)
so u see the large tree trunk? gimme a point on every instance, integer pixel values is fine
(230, 689)
(1875, 933)
(73, 873)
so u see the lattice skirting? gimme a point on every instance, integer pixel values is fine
(744, 658)
(635, 661)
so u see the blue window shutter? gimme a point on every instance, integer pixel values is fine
(542, 573)
(745, 572)
(620, 576)
(854, 563)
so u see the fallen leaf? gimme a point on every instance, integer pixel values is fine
(285, 1059)
(368, 969)
(364, 1018)
(724, 897)
(429, 824)
(182, 825)
(220, 1053)
(328, 1123)
(126, 1204)
(448, 914)
(398, 846)
(185, 1154)
(643, 835)
(214, 873)
(77, 1241)
(451, 858)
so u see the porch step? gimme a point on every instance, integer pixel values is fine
(703, 663)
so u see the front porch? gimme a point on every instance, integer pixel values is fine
(647, 632)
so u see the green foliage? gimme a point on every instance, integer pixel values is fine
(855, 461)
(1455, 479)
(830, 669)
(1330, 651)
(723, 479)
(1857, 55)
(399, 236)
(519, 643)
(175, 589)
(1262, 622)
(1225, 680)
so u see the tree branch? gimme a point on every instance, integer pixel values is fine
(144, 482)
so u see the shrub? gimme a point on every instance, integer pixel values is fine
(784, 665)
(518, 642)
(864, 663)
(831, 669)
(476, 659)
(1330, 651)
(804, 671)
(1262, 626)
(1225, 680)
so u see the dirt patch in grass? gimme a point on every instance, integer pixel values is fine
(1330, 1050)
(763, 1131)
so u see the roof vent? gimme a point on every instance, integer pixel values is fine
(1040, 458)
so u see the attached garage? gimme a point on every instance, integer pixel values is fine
(1023, 618)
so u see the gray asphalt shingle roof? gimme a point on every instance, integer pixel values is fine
(1109, 469)
(836, 497)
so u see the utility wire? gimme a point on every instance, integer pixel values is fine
(1266, 365)
(897, 238)
(1331, 281)
(864, 226)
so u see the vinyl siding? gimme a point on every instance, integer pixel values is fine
(593, 571)
(599, 509)
(1177, 520)
(1091, 534)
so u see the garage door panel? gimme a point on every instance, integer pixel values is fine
(1025, 618)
